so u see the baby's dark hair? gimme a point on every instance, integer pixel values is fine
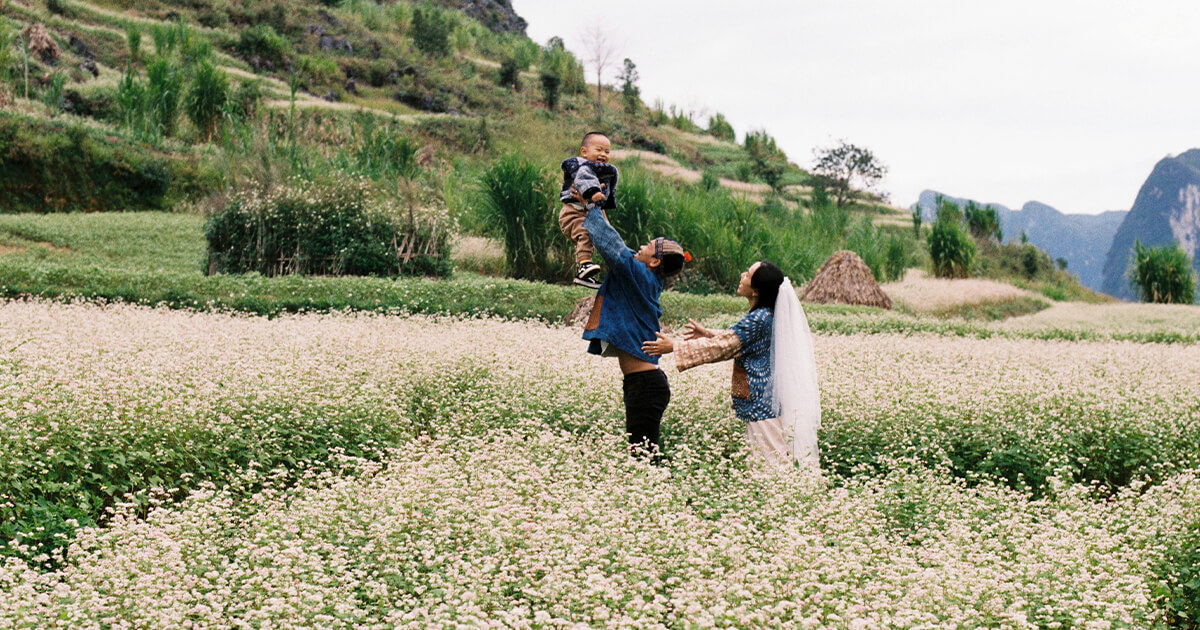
(766, 280)
(589, 135)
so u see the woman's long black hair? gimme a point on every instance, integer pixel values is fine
(766, 280)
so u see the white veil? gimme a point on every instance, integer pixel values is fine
(794, 376)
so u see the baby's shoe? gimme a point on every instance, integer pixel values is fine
(585, 275)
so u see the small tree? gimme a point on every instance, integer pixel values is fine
(916, 220)
(845, 164)
(630, 93)
(767, 161)
(431, 30)
(559, 61)
(983, 221)
(206, 98)
(950, 247)
(600, 55)
(550, 85)
(1163, 275)
(510, 74)
(164, 92)
(719, 128)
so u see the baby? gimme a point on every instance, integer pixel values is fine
(595, 180)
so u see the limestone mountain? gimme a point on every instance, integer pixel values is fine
(1167, 210)
(1081, 239)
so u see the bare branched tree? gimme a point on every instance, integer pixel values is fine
(601, 53)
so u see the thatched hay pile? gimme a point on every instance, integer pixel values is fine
(41, 43)
(845, 279)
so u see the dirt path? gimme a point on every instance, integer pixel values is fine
(664, 165)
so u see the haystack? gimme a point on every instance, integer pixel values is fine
(845, 279)
(40, 43)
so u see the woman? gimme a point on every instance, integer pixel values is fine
(625, 315)
(774, 371)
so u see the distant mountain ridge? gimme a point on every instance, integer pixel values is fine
(1167, 209)
(1082, 240)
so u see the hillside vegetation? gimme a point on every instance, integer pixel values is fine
(179, 106)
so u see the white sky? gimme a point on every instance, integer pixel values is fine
(1067, 102)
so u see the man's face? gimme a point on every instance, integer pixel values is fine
(596, 149)
(646, 255)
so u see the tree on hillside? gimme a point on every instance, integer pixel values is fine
(983, 221)
(951, 249)
(559, 61)
(767, 161)
(844, 165)
(431, 30)
(601, 51)
(630, 92)
(1163, 275)
(719, 128)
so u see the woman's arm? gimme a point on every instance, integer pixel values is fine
(721, 345)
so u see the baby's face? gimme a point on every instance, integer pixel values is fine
(596, 149)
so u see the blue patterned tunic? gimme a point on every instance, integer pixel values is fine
(754, 333)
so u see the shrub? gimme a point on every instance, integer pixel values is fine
(517, 206)
(52, 95)
(550, 85)
(509, 75)
(247, 99)
(1163, 275)
(383, 152)
(315, 228)
(164, 91)
(133, 37)
(431, 30)
(263, 42)
(950, 247)
(207, 97)
(719, 127)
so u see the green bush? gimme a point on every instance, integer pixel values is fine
(316, 228)
(509, 75)
(206, 98)
(719, 127)
(383, 152)
(431, 29)
(518, 206)
(950, 247)
(164, 93)
(263, 42)
(1163, 275)
(550, 86)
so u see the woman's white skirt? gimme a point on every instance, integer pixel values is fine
(769, 440)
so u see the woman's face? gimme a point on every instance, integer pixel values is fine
(744, 288)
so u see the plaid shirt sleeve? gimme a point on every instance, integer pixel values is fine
(722, 346)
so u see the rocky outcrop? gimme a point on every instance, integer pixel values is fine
(1167, 210)
(497, 15)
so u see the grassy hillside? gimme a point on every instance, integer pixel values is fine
(113, 105)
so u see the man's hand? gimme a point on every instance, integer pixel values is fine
(663, 345)
(693, 330)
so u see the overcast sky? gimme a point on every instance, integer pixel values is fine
(1067, 102)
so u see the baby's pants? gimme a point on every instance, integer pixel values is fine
(570, 220)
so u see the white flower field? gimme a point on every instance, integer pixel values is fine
(165, 468)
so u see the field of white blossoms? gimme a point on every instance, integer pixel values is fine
(172, 469)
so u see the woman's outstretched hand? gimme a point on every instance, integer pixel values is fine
(662, 345)
(693, 330)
